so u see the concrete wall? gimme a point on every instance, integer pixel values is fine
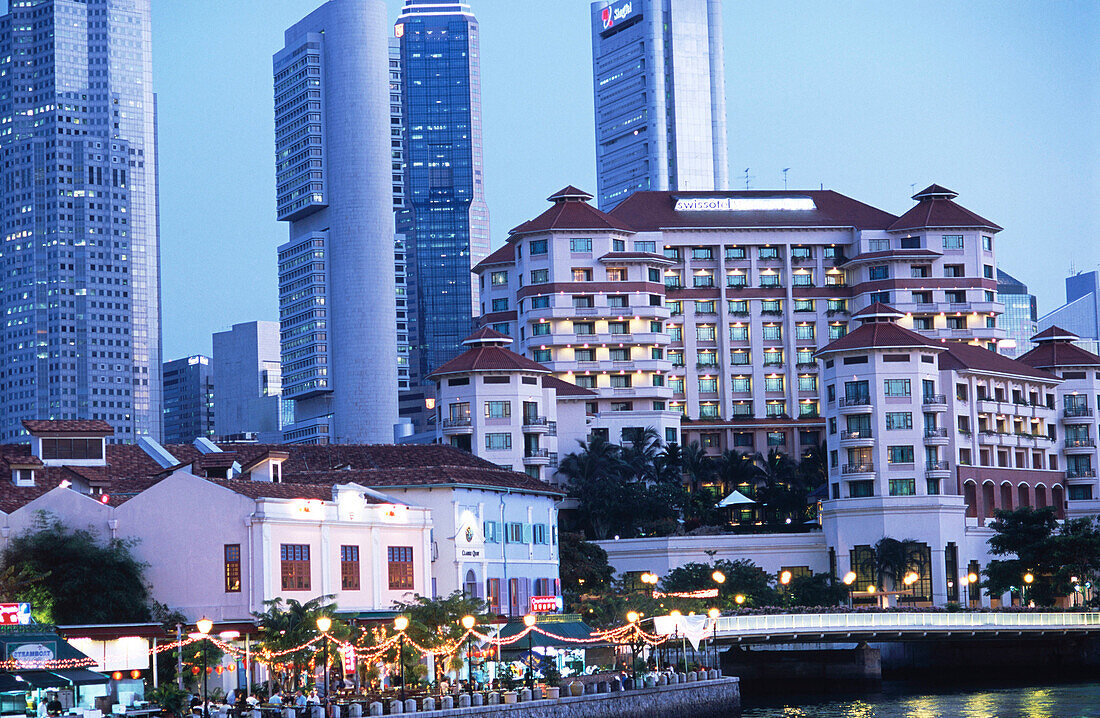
(770, 552)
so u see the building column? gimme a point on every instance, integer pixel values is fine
(939, 576)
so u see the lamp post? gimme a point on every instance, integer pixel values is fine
(650, 579)
(632, 619)
(400, 624)
(910, 581)
(683, 642)
(205, 625)
(714, 613)
(232, 636)
(323, 624)
(468, 622)
(848, 580)
(1029, 578)
(972, 580)
(529, 621)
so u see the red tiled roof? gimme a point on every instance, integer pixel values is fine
(438, 476)
(967, 356)
(504, 255)
(1049, 355)
(488, 358)
(894, 254)
(935, 190)
(486, 333)
(649, 256)
(878, 308)
(571, 211)
(569, 192)
(1054, 333)
(938, 210)
(655, 210)
(269, 490)
(68, 426)
(564, 388)
(878, 335)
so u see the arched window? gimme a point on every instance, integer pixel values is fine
(1024, 492)
(970, 495)
(1006, 496)
(471, 587)
(988, 498)
(1041, 497)
(1058, 501)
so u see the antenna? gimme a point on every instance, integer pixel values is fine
(912, 187)
(785, 171)
(748, 178)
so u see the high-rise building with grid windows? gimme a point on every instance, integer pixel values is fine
(443, 217)
(78, 217)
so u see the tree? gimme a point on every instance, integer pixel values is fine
(584, 566)
(434, 622)
(781, 491)
(291, 623)
(818, 589)
(74, 578)
(894, 560)
(742, 577)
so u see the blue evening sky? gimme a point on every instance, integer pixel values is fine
(999, 101)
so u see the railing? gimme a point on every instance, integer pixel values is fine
(937, 466)
(1077, 411)
(745, 626)
(535, 421)
(536, 454)
(456, 422)
(806, 366)
(935, 433)
(866, 468)
(934, 400)
(855, 401)
(706, 365)
(1085, 473)
(855, 434)
(1074, 443)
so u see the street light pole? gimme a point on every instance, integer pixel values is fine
(468, 622)
(324, 623)
(529, 621)
(204, 625)
(401, 623)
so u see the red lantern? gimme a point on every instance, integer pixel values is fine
(218, 670)
(135, 674)
(231, 667)
(195, 670)
(117, 675)
(209, 670)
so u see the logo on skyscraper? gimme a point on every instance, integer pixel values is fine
(615, 13)
(607, 18)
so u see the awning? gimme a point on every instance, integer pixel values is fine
(42, 679)
(8, 684)
(564, 635)
(734, 499)
(81, 676)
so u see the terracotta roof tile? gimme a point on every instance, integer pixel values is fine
(1054, 332)
(938, 211)
(878, 335)
(564, 388)
(1051, 355)
(488, 358)
(68, 426)
(492, 477)
(572, 213)
(967, 356)
(487, 333)
(504, 255)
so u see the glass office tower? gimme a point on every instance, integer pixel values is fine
(1020, 316)
(660, 90)
(78, 216)
(444, 218)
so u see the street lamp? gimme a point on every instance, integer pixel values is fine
(785, 577)
(650, 579)
(1028, 580)
(632, 619)
(400, 624)
(739, 599)
(675, 615)
(205, 625)
(468, 622)
(719, 577)
(848, 580)
(714, 613)
(910, 580)
(529, 621)
(323, 624)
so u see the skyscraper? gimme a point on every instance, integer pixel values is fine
(78, 216)
(444, 217)
(1019, 318)
(248, 376)
(336, 276)
(660, 87)
(188, 399)
(1081, 312)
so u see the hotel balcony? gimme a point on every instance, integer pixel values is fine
(536, 457)
(935, 402)
(935, 436)
(856, 438)
(1077, 414)
(937, 469)
(864, 468)
(535, 425)
(458, 425)
(1085, 472)
(1079, 446)
(855, 405)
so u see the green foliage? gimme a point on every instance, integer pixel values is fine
(193, 660)
(292, 623)
(170, 698)
(1033, 542)
(819, 589)
(548, 667)
(434, 622)
(72, 577)
(743, 577)
(584, 566)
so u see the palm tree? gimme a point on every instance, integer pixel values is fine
(292, 624)
(779, 491)
(735, 468)
(596, 480)
(697, 466)
(640, 458)
(894, 560)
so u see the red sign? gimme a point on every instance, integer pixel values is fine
(14, 614)
(347, 651)
(544, 604)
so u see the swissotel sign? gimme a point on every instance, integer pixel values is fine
(743, 204)
(615, 14)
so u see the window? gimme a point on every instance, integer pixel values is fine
(956, 322)
(672, 252)
(952, 241)
(578, 244)
(923, 323)
(803, 305)
(585, 382)
(618, 245)
(541, 534)
(773, 357)
(773, 383)
(804, 332)
(584, 354)
(498, 278)
(622, 406)
(675, 307)
(738, 306)
(583, 301)
(621, 381)
(740, 358)
(773, 332)
(777, 438)
(861, 489)
(708, 411)
(500, 305)
(540, 329)
(743, 408)
(896, 420)
(1080, 493)
(658, 379)
(768, 253)
(676, 357)
(771, 306)
(498, 409)
(581, 274)
(702, 280)
(910, 242)
(295, 566)
(883, 297)
(618, 327)
(492, 594)
(617, 300)
(72, 448)
(899, 454)
(676, 383)
(739, 333)
(584, 328)
(672, 280)
(538, 246)
(654, 275)
(742, 384)
(838, 305)
(707, 357)
(620, 354)
(987, 243)
(492, 531)
(540, 355)
(498, 442)
(806, 356)
(897, 387)
(705, 307)
(232, 568)
(705, 332)
(515, 532)
(769, 279)
(802, 279)
(808, 410)
(903, 487)
(920, 271)
(954, 270)
(987, 271)
(735, 252)
(775, 408)
(708, 385)
(880, 271)
(702, 253)
(616, 274)
(349, 568)
(540, 302)
(640, 246)
(878, 245)
(400, 567)
(540, 276)
(932, 486)
(807, 382)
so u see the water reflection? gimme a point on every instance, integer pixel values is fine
(1061, 701)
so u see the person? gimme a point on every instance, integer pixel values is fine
(231, 696)
(276, 698)
(53, 706)
(252, 701)
(314, 699)
(299, 698)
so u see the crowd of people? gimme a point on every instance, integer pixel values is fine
(239, 701)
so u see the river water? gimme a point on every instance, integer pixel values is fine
(903, 701)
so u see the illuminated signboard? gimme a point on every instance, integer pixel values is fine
(618, 13)
(30, 654)
(347, 653)
(15, 614)
(744, 204)
(545, 604)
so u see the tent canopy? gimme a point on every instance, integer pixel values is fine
(564, 626)
(734, 499)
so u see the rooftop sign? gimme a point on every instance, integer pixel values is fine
(617, 13)
(744, 204)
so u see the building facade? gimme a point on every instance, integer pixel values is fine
(443, 217)
(1081, 312)
(248, 374)
(188, 399)
(78, 216)
(333, 161)
(1020, 314)
(698, 314)
(659, 81)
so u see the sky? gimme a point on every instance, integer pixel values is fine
(997, 101)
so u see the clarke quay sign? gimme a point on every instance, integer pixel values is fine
(545, 604)
(618, 13)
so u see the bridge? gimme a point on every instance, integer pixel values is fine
(901, 626)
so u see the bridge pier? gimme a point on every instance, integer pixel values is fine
(785, 669)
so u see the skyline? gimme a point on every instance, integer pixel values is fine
(785, 109)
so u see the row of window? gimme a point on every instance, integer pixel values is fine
(743, 384)
(520, 533)
(774, 408)
(768, 278)
(296, 573)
